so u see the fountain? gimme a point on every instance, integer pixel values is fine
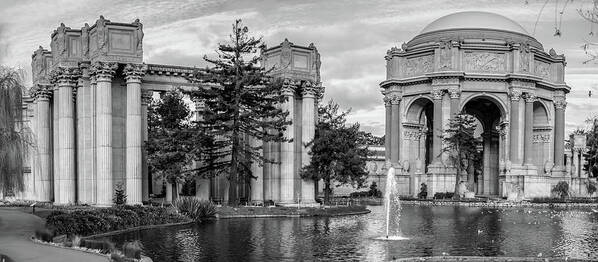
(392, 206)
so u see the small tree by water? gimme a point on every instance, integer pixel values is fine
(461, 145)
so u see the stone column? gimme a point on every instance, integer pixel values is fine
(576, 164)
(43, 183)
(66, 79)
(395, 123)
(514, 127)
(287, 151)
(55, 177)
(84, 153)
(528, 132)
(308, 130)
(387, 128)
(91, 106)
(134, 135)
(104, 71)
(267, 172)
(202, 185)
(559, 133)
(437, 127)
(257, 183)
(455, 96)
(146, 98)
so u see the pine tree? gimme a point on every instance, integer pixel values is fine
(337, 151)
(461, 145)
(240, 102)
(591, 156)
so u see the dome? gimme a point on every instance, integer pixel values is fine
(474, 25)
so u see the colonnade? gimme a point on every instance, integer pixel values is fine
(76, 166)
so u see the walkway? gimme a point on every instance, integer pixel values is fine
(16, 228)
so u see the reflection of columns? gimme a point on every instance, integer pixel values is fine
(66, 78)
(387, 128)
(84, 153)
(104, 72)
(514, 128)
(146, 98)
(287, 151)
(559, 132)
(437, 126)
(528, 132)
(308, 129)
(43, 183)
(455, 100)
(395, 100)
(134, 185)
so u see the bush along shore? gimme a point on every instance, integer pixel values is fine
(74, 227)
(259, 211)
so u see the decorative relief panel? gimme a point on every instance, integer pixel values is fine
(541, 138)
(542, 69)
(121, 41)
(300, 61)
(484, 62)
(446, 56)
(524, 55)
(419, 65)
(412, 133)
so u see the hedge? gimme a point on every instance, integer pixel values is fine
(100, 220)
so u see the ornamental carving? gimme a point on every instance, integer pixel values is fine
(446, 55)
(412, 134)
(308, 90)
(541, 138)
(102, 34)
(85, 40)
(42, 92)
(419, 65)
(103, 69)
(530, 98)
(60, 42)
(134, 71)
(484, 62)
(67, 75)
(445, 81)
(524, 55)
(542, 69)
(288, 87)
(454, 93)
(395, 98)
(386, 100)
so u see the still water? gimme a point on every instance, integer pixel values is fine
(431, 231)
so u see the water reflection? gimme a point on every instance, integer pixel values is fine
(432, 231)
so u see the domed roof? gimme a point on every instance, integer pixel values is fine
(474, 20)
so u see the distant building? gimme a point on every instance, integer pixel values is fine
(486, 65)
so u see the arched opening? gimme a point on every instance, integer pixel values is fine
(419, 117)
(488, 114)
(541, 138)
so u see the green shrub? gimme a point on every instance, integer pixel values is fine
(591, 187)
(561, 189)
(133, 249)
(95, 221)
(195, 208)
(44, 234)
(120, 198)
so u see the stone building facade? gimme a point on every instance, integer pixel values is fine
(87, 109)
(488, 66)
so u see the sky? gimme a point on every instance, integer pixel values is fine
(351, 36)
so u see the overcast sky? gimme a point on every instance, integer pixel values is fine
(352, 36)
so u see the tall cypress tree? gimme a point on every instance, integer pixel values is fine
(240, 102)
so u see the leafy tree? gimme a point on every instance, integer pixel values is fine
(337, 153)
(461, 145)
(15, 138)
(170, 138)
(240, 102)
(591, 156)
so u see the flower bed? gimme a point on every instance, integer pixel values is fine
(86, 222)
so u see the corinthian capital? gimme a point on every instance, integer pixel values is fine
(515, 95)
(42, 92)
(395, 98)
(134, 72)
(454, 93)
(437, 94)
(288, 87)
(103, 70)
(65, 75)
(530, 97)
(560, 103)
(308, 90)
(387, 100)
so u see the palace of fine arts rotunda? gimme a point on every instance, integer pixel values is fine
(490, 67)
(88, 110)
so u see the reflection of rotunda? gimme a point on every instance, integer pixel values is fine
(488, 66)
